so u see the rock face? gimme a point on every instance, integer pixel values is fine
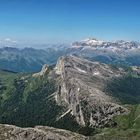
(9, 132)
(81, 88)
(42, 72)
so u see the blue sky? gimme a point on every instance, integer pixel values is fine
(70, 20)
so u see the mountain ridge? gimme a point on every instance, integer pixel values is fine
(76, 84)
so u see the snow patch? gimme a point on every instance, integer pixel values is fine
(64, 114)
(96, 73)
(80, 70)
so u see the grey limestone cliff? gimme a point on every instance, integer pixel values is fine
(81, 88)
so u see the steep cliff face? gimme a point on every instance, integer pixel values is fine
(43, 71)
(81, 88)
(10, 132)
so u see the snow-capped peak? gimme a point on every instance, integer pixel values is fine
(93, 41)
(115, 45)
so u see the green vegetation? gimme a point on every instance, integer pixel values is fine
(26, 100)
(126, 89)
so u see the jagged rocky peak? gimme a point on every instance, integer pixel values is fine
(60, 65)
(43, 71)
(81, 89)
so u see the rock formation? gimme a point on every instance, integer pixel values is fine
(81, 89)
(42, 72)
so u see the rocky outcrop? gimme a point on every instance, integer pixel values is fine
(9, 132)
(42, 72)
(81, 88)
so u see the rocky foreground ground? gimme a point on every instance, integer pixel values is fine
(10, 132)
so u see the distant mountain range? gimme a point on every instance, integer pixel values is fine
(28, 59)
(117, 52)
(31, 59)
